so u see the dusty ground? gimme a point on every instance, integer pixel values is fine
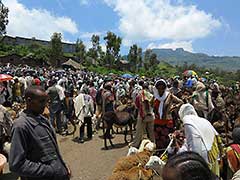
(88, 161)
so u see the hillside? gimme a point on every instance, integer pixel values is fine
(179, 57)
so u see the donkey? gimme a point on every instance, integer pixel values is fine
(118, 119)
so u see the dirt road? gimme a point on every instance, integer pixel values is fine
(88, 161)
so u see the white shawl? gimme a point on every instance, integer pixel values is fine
(79, 103)
(207, 132)
(161, 99)
(60, 91)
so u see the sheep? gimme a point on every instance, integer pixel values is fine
(132, 150)
(143, 144)
(126, 163)
(134, 173)
(131, 167)
(156, 164)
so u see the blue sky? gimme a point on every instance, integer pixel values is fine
(204, 26)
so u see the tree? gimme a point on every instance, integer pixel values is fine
(237, 75)
(95, 41)
(34, 44)
(139, 58)
(80, 50)
(147, 58)
(3, 18)
(42, 53)
(56, 50)
(38, 51)
(133, 57)
(113, 44)
(153, 60)
(95, 51)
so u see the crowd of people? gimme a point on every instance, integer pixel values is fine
(201, 116)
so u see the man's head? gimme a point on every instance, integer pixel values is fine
(108, 86)
(36, 99)
(187, 166)
(175, 83)
(16, 80)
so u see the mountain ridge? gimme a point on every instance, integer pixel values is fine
(180, 57)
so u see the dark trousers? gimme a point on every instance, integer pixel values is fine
(58, 117)
(88, 121)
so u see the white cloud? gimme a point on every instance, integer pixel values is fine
(88, 35)
(186, 45)
(127, 42)
(162, 19)
(104, 48)
(88, 45)
(38, 23)
(84, 2)
(87, 39)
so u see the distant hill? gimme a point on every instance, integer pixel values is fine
(180, 56)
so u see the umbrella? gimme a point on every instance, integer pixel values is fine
(5, 77)
(176, 77)
(203, 79)
(189, 73)
(127, 76)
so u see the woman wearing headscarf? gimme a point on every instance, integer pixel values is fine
(233, 153)
(164, 103)
(202, 100)
(201, 137)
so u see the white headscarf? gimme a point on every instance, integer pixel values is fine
(189, 116)
(162, 98)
